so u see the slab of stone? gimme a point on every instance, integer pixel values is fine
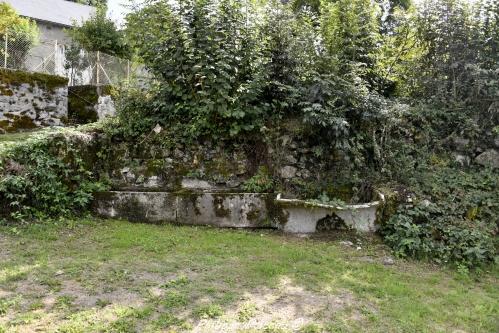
(489, 158)
(196, 184)
(154, 207)
(241, 210)
(237, 210)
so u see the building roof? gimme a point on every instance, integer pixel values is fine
(55, 11)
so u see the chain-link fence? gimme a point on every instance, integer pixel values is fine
(79, 66)
(97, 68)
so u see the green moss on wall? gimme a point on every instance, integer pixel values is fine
(5, 91)
(81, 102)
(17, 123)
(45, 81)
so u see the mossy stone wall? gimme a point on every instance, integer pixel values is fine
(30, 100)
(83, 101)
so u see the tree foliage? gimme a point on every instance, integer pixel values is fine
(100, 33)
(19, 31)
(206, 57)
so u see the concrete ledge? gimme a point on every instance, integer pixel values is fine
(302, 216)
(238, 210)
(235, 210)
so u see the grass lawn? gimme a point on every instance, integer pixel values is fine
(15, 136)
(115, 276)
(8, 138)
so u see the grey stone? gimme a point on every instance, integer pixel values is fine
(192, 184)
(462, 159)
(178, 153)
(489, 158)
(288, 172)
(240, 210)
(291, 159)
(387, 261)
(305, 173)
(285, 139)
(302, 216)
(127, 174)
(45, 107)
(105, 107)
(153, 181)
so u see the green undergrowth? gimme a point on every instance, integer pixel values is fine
(450, 217)
(46, 174)
(113, 276)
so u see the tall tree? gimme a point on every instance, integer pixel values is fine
(100, 33)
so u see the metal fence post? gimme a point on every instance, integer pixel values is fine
(5, 50)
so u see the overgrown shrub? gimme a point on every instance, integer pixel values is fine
(204, 56)
(46, 175)
(453, 219)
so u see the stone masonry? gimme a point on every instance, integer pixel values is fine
(31, 100)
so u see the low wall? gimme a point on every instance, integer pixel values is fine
(237, 210)
(30, 100)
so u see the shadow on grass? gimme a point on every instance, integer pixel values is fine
(121, 277)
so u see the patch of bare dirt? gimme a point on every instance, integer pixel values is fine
(289, 307)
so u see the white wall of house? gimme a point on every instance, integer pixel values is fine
(51, 31)
(49, 53)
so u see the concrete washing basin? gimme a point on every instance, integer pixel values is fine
(302, 215)
(236, 210)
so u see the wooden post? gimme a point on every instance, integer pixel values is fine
(97, 68)
(128, 71)
(56, 58)
(5, 50)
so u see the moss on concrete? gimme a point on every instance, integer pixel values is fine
(81, 102)
(16, 78)
(17, 123)
(5, 91)
(218, 206)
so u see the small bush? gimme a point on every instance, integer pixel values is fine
(456, 223)
(260, 182)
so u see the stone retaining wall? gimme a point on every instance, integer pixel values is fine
(30, 100)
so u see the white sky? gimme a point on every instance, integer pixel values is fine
(117, 9)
